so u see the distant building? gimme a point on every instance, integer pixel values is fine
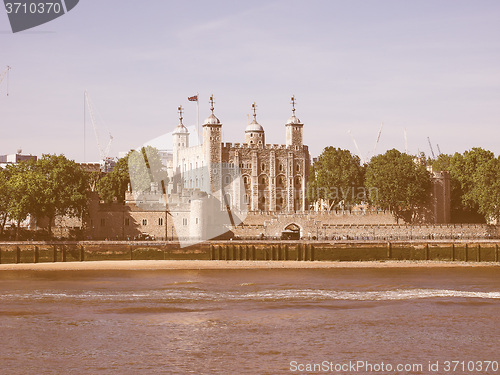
(15, 158)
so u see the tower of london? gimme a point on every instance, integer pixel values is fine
(251, 175)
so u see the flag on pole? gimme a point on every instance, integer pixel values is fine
(193, 98)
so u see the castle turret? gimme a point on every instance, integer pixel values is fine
(254, 132)
(180, 139)
(212, 148)
(180, 134)
(294, 129)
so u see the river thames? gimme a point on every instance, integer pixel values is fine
(261, 321)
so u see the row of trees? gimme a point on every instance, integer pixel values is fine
(43, 189)
(401, 183)
(390, 181)
(55, 186)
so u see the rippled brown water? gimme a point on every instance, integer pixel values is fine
(244, 321)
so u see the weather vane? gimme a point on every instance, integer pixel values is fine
(180, 113)
(212, 103)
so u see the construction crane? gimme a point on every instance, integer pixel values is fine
(376, 143)
(4, 74)
(439, 150)
(356, 145)
(105, 161)
(430, 145)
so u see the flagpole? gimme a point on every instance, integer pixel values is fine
(198, 115)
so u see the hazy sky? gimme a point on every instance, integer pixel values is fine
(432, 67)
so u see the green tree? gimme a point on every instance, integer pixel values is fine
(22, 184)
(145, 167)
(115, 183)
(463, 168)
(139, 169)
(5, 197)
(441, 163)
(337, 178)
(58, 187)
(486, 190)
(396, 182)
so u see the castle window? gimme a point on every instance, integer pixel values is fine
(297, 168)
(227, 199)
(263, 180)
(280, 167)
(245, 198)
(144, 221)
(263, 166)
(196, 220)
(227, 179)
(127, 221)
(184, 221)
(160, 221)
(251, 135)
(245, 180)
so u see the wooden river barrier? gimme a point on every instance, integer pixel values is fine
(42, 252)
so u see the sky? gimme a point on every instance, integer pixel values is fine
(430, 68)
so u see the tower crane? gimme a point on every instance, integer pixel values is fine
(439, 150)
(356, 145)
(430, 145)
(376, 143)
(103, 153)
(4, 74)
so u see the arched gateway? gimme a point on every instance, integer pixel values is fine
(291, 232)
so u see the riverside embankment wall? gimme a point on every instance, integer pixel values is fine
(41, 252)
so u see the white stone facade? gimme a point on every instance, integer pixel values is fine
(274, 177)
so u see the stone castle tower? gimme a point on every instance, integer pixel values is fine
(273, 176)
